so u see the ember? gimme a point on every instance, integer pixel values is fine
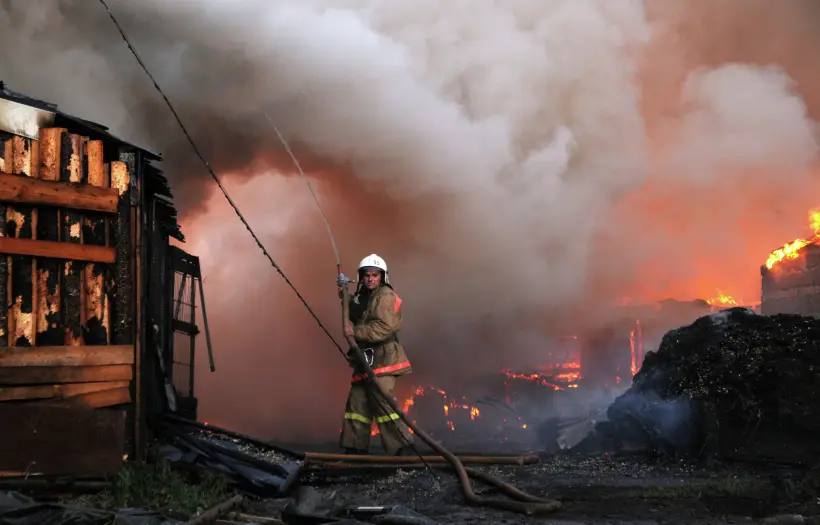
(722, 300)
(447, 404)
(635, 347)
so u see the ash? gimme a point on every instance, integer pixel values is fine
(243, 446)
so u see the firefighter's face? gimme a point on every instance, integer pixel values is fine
(372, 279)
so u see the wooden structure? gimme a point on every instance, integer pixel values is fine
(85, 225)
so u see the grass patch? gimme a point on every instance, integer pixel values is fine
(160, 487)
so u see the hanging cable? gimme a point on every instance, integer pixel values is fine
(375, 392)
(525, 504)
(383, 406)
(219, 182)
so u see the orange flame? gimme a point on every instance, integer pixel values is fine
(448, 404)
(791, 250)
(721, 299)
(565, 373)
(635, 347)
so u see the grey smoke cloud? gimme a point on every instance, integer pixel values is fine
(518, 164)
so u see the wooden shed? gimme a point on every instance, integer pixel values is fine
(88, 273)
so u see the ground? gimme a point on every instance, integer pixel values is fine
(594, 490)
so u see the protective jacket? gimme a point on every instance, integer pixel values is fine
(376, 331)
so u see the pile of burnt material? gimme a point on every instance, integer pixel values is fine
(732, 384)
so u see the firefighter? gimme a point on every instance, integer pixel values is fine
(375, 320)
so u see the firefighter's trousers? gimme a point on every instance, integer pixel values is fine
(363, 406)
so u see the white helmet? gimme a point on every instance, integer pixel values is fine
(374, 261)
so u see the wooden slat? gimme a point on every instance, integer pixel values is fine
(71, 294)
(95, 322)
(104, 398)
(21, 223)
(25, 190)
(57, 250)
(47, 375)
(48, 321)
(57, 391)
(61, 441)
(67, 355)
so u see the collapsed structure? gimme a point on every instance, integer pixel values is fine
(89, 283)
(731, 384)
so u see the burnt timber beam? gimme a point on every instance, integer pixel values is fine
(68, 356)
(71, 170)
(17, 189)
(46, 375)
(100, 399)
(21, 223)
(17, 393)
(123, 284)
(96, 323)
(49, 324)
(57, 250)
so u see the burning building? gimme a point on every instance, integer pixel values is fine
(791, 276)
(89, 277)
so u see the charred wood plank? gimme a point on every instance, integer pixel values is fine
(4, 283)
(71, 170)
(59, 441)
(48, 322)
(24, 190)
(39, 375)
(21, 224)
(57, 391)
(57, 250)
(95, 318)
(122, 289)
(68, 355)
(101, 399)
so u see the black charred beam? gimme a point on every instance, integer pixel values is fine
(49, 320)
(96, 320)
(122, 285)
(4, 276)
(71, 164)
(19, 224)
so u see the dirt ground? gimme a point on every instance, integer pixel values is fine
(617, 490)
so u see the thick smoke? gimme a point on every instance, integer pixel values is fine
(518, 164)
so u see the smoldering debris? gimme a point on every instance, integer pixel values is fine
(732, 385)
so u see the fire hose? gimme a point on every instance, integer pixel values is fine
(524, 503)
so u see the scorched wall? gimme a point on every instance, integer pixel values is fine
(793, 286)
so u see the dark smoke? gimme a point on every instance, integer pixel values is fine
(521, 167)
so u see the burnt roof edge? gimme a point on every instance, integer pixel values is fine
(94, 129)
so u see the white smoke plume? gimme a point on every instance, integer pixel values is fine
(517, 163)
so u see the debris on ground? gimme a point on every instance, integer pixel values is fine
(248, 467)
(733, 384)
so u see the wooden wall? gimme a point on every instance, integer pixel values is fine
(67, 272)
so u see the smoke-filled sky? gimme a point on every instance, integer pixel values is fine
(513, 161)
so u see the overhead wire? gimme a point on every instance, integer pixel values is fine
(525, 504)
(385, 408)
(219, 182)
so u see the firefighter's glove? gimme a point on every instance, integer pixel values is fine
(341, 281)
(353, 361)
